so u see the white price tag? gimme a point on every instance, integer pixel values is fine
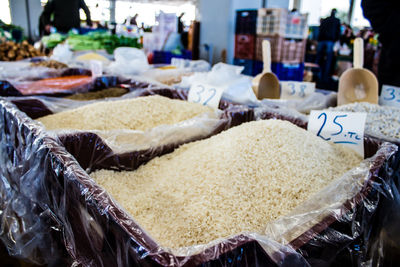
(96, 67)
(205, 94)
(296, 90)
(390, 96)
(345, 128)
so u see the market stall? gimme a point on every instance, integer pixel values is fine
(119, 149)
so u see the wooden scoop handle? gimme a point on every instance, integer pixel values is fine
(266, 49)
(358, 57)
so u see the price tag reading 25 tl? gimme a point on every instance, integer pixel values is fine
(345, 128)
(205, 94)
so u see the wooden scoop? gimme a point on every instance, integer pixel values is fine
(358, 84)
(266, 84)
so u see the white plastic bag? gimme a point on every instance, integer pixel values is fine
(191, 65)
(222, 73)
(238, 87)
(129, 61)
(62, 53)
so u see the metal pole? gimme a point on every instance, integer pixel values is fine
(264, 3)
(112, 11)
(351, 11)
(28, 17)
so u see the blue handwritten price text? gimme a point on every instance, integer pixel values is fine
(347, 137)
(203, 93)
(392, 95)
(302, 88)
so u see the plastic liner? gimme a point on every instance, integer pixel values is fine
(80, 81)
(49, 202)
(182, 94)
(22, 70)
(315, 101)
(127, 150)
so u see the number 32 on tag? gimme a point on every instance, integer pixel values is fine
(206, 95)
(345, 128)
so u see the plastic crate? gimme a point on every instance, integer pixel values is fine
(164, 57)
(293, 50)
(245, 45)
(288, 71)
(282, 50)
(276, 47)
(279, 21)
(246, 21)
(258, 67)
(89, 30)
(272, 21)
(247, 64)
(296, 26)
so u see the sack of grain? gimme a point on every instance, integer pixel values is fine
(266, 110)
(195, 204)
(35, 81)
(145, 125)
(234, 182)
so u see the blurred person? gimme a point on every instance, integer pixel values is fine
(329, 33)
(347, 35)
(65, 15)
(133, 20)
(385, 20)
(181, 31)
(181, 26)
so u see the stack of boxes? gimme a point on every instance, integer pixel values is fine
(245, 40)
(287, 33)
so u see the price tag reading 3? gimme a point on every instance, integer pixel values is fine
(206, 95)
(345, 128)
(296, 90)
(390, 96)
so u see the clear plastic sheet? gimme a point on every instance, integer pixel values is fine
(315, 101)
(166, 76)
(65, 82)
(128, 149)
(23, 71)
(128, 61)
(237, 87)
(49, 203)
(54, 85)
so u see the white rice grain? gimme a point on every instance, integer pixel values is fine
(233, 182)
(141, 113)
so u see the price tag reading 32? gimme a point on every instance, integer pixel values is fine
(206, 95)
(390, 96)
(345, 128)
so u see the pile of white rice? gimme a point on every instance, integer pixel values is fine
(141, 113)
(233, 182)
(382, 121)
